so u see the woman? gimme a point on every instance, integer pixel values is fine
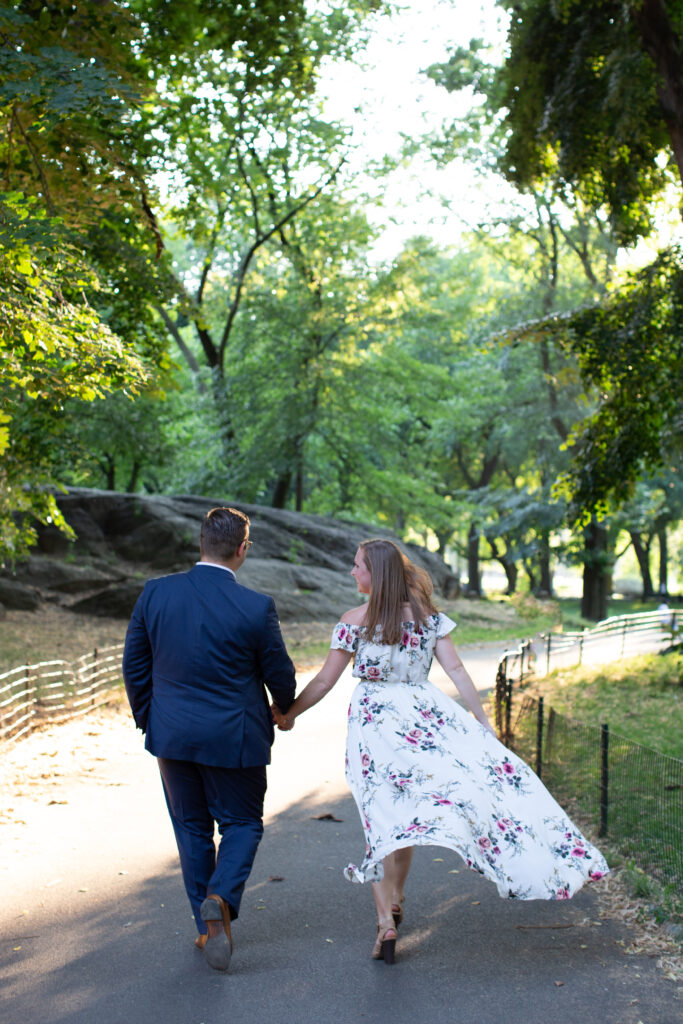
(421, 770)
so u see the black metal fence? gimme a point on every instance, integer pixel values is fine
(29, 694)
(628, 793)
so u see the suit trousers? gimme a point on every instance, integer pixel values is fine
(199, 795)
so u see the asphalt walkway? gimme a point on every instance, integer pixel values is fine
(95, 926)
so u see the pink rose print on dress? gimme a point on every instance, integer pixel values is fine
(508, 772)
(441, 801)
(373, 672)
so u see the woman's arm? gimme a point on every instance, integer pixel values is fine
(320, 684)
(448, 658)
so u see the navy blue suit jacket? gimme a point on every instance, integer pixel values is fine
(200, 649)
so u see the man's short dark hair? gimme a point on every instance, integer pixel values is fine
(223, 530)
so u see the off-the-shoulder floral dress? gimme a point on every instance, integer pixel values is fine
(424, 772)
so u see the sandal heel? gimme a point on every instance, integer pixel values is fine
(389, 951)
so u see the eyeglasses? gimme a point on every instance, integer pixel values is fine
(249, 543)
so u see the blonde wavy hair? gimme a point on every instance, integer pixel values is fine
(395, 581)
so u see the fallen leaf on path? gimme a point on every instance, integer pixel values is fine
(559, 984)
(276, 878)
(475, 903)
(51, 802)
(325, 817)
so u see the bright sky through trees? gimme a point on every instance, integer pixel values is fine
(389, 97)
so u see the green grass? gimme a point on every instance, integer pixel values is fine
(641, 699)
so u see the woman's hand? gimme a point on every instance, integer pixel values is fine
(283, 723)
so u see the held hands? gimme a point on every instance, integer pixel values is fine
(283, 723)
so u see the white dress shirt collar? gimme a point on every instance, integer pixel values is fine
(217, 565)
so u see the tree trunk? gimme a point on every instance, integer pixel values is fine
(663, 45)
(300, 489)
(663, 562)
(642, 553)
(133, 479)
(108, 467)
(443, 538)
(545, 583)
(595, 573)
(509, 566)
(281, 490)
(511, 574)
(473, 588)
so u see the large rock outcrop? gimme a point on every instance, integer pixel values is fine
(123, 539)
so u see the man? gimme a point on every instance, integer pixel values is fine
(199, 649)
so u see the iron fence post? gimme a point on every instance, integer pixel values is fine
(539, 738)
(604, 777)
(508, 709)
(547, 656)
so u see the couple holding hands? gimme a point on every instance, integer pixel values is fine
(200, 650)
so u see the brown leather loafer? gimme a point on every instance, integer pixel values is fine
(218, 944)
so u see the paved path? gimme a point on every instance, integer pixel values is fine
(95, 927)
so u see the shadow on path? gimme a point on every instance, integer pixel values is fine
(303, 945)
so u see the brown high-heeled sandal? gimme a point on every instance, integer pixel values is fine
(397, 911)
(385, 943)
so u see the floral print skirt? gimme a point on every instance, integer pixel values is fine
(424, 772)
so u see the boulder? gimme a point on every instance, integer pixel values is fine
(300, 592)
(18, 596)
(115, 602)
(67, 577)
(302, 560)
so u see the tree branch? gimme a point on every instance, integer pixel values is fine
(39, 167)
(259, 241)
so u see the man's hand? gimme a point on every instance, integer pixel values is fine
(283, 723)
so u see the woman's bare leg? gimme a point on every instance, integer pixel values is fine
(391, 889)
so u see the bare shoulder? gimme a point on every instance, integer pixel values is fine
(355, 616)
